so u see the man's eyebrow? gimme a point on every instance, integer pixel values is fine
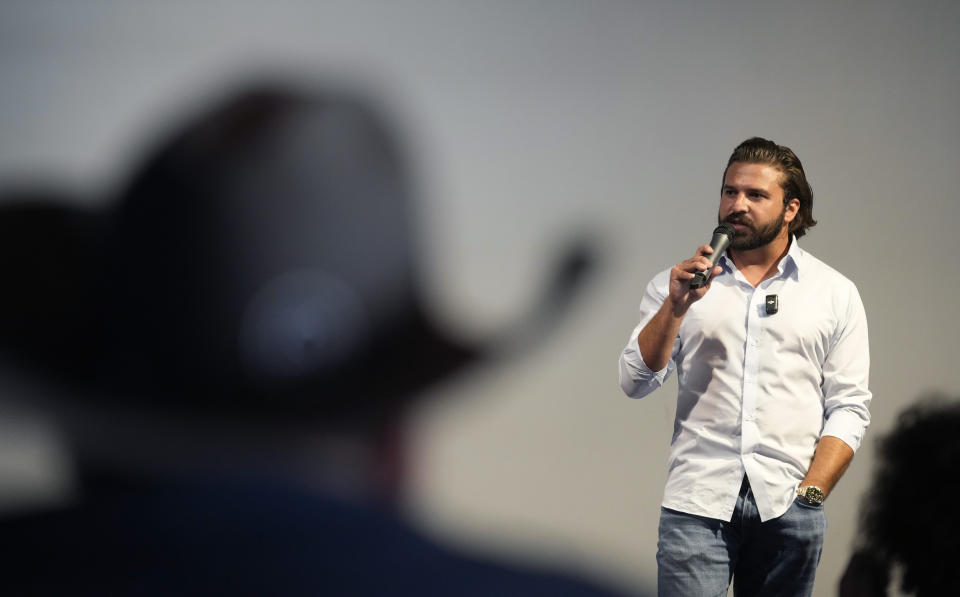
(756, 190)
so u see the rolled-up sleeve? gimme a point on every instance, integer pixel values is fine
(636, 379)
(846, 373)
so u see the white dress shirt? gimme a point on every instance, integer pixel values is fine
(757, 391)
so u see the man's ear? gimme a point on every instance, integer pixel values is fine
(791, 209)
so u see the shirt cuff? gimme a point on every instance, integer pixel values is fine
(635, 359)
(845, 426)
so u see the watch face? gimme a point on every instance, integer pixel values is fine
(813, 495)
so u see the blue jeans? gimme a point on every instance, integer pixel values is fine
(697, 556)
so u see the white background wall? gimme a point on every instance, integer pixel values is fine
(532, 120)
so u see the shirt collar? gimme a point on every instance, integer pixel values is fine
(789, 265)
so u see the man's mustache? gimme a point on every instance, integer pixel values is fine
(741, 219)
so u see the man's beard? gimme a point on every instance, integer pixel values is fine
(755, 237)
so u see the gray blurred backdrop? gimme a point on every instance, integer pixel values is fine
(528, 122)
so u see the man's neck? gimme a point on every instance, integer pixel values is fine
(759, 264)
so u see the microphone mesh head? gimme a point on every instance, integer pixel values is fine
(725, 229)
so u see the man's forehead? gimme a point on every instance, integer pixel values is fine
(758, 171)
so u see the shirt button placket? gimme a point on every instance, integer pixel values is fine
(751, 366)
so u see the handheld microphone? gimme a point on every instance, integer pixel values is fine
(722, 236)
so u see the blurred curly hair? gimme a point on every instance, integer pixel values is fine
(910, 516)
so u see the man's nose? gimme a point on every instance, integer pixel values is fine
(740, 203)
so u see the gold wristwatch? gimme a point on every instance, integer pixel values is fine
(811, 494)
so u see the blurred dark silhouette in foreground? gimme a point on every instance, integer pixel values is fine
(230, 348)
(910, 520)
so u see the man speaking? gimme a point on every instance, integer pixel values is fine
(772, 363)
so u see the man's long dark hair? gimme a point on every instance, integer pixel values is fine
(757, 150)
